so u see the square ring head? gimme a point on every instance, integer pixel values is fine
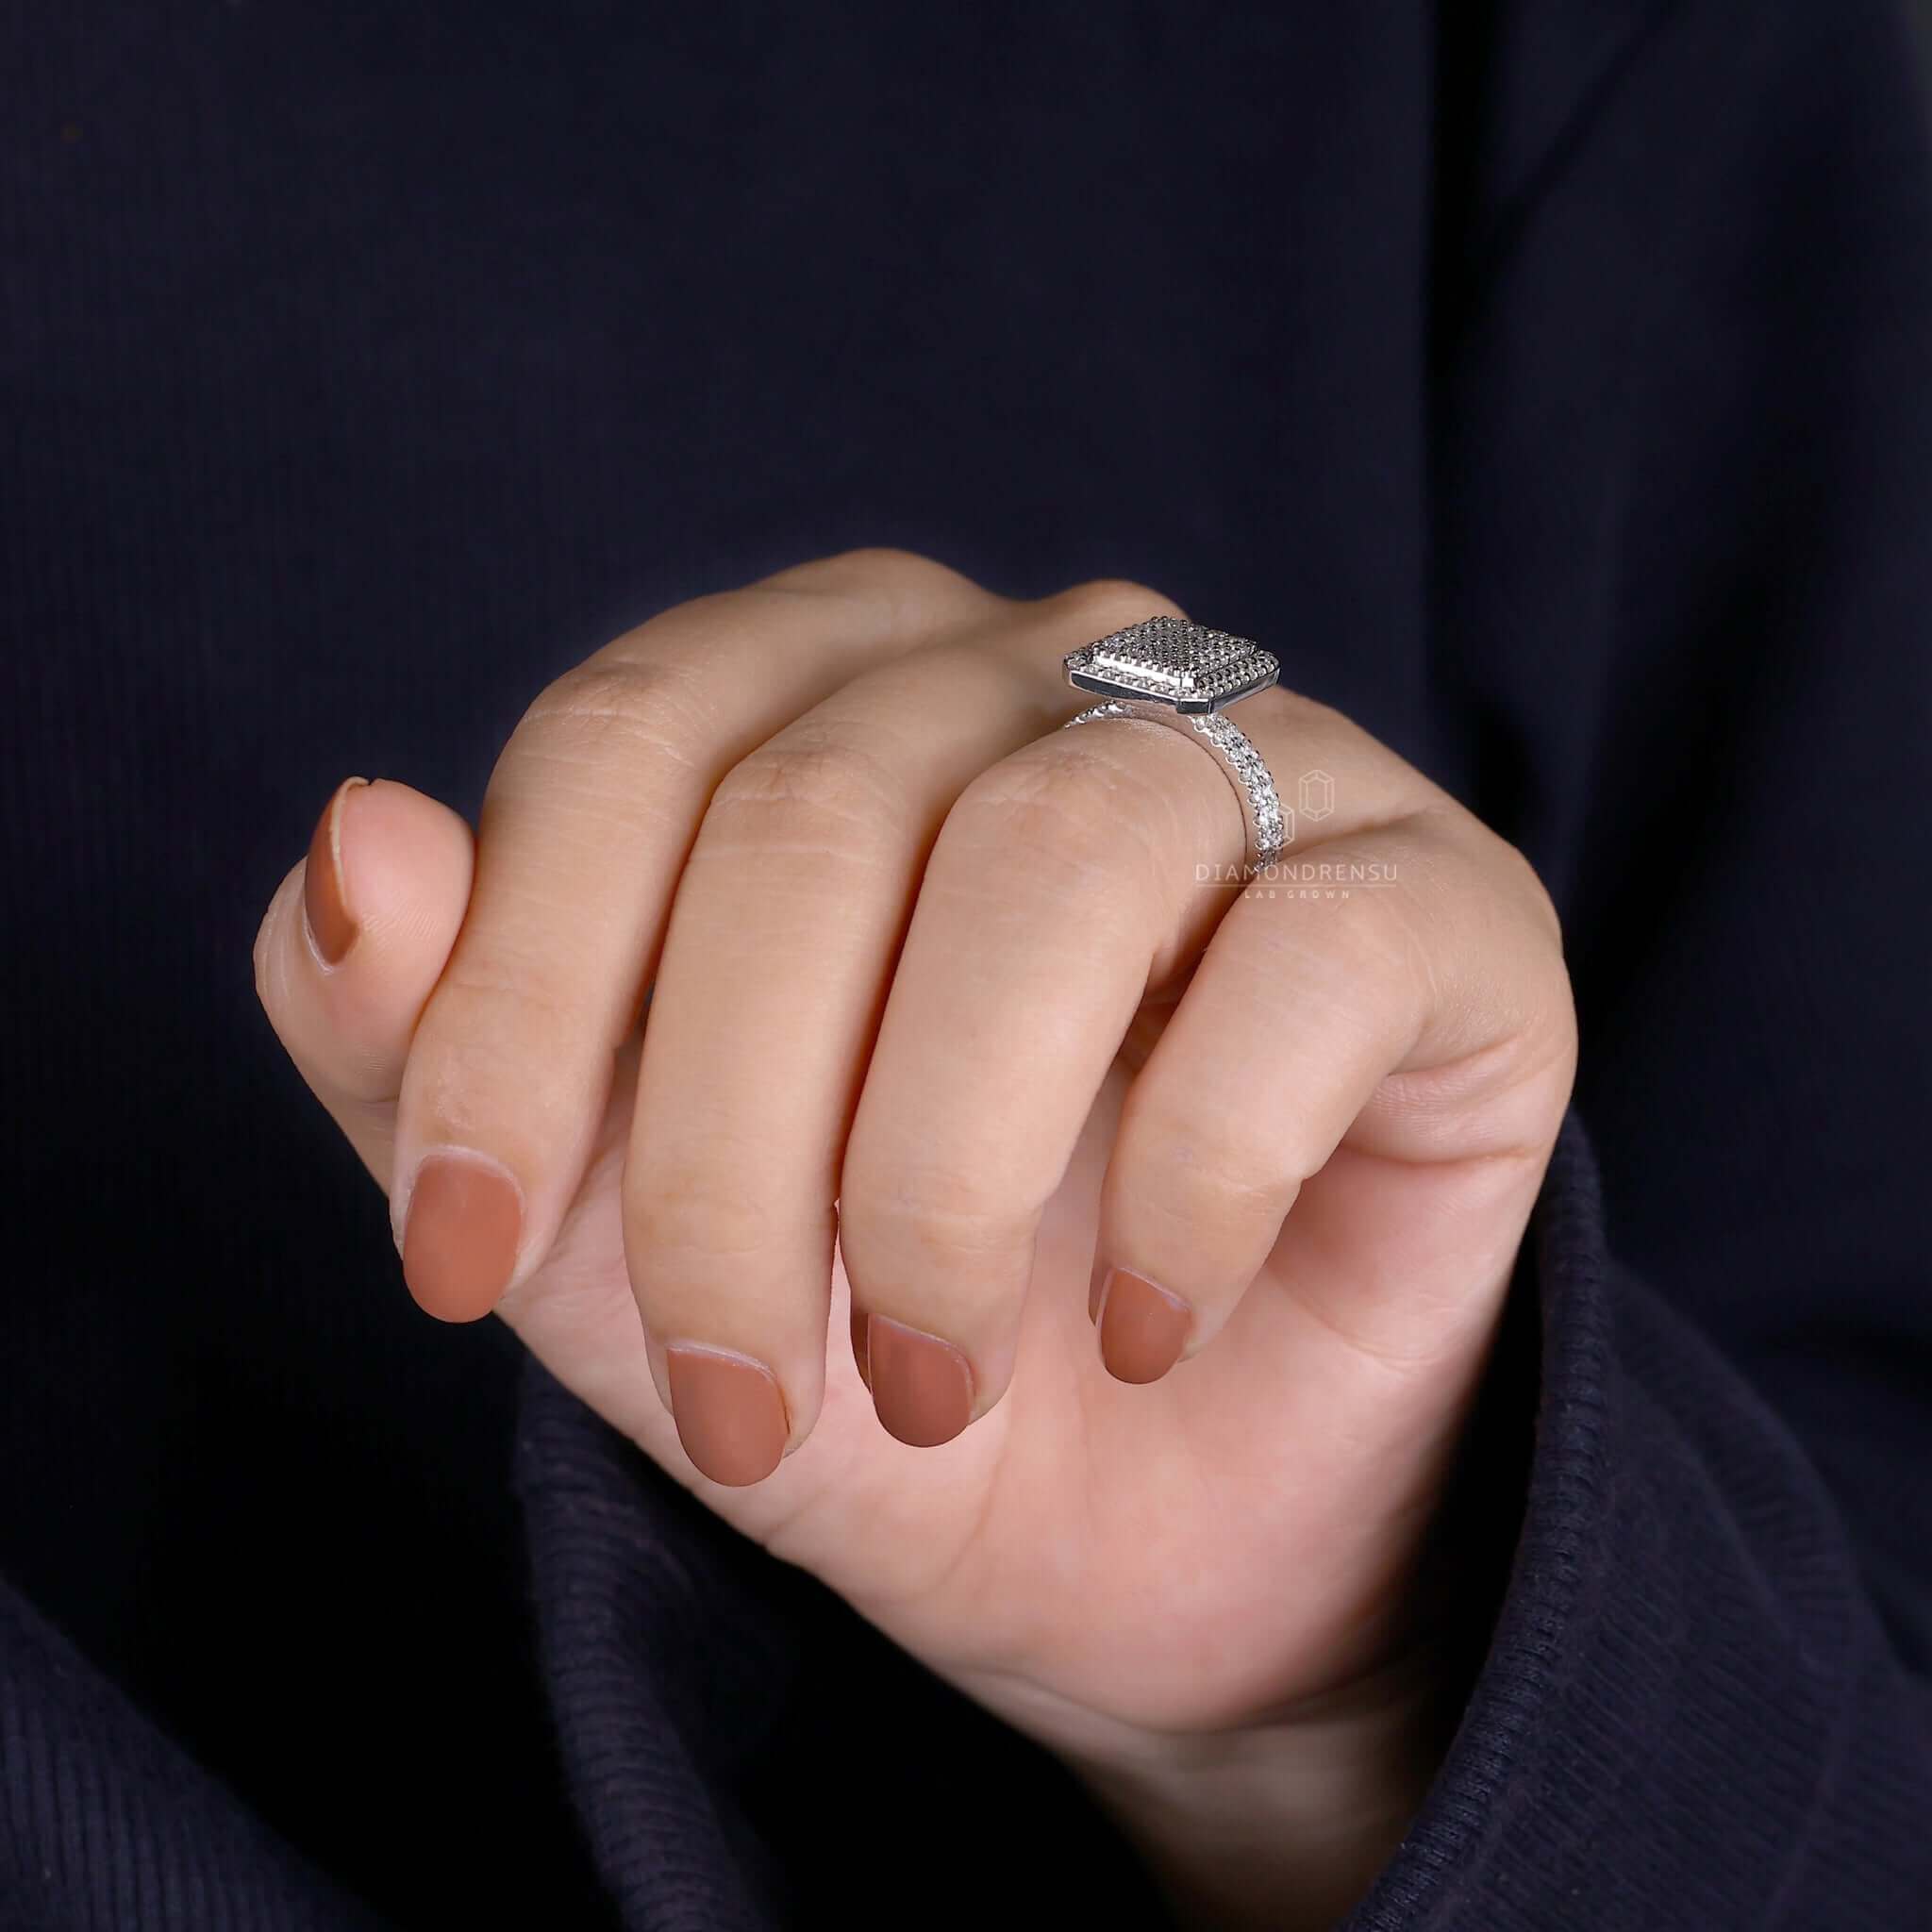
(1171, 662)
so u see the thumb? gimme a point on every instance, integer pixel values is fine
(352, 942)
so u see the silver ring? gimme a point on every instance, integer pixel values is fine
(1185, 677)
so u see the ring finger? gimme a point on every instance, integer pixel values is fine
(1061, 893)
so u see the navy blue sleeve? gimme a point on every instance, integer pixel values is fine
(1684, 498)
(107, 1822)
(1692, 1713)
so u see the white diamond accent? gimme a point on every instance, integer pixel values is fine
(1167, 658)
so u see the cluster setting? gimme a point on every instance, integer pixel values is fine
(1175, 662)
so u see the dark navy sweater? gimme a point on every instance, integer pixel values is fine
(1550, 381)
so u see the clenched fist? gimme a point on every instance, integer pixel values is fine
(803, 979)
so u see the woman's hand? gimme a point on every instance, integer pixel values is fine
(939, 1006)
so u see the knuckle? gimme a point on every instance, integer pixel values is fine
(1529, 885)
(509, 1057)
(624, 707)
(936, 1211)
(1387, 956)
(1204, 1173)
(1492, 863)
(491, 1004)
(1495, 883)
(696, 1206)
(1199, 1223)
(906, 581)
(822, 785)
(1372, 968)
(1109, 604)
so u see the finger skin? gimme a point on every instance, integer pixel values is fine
(1060, 895)
(1048, 898)
(936, 1104)
(787, 918)
(587, 823)
(399, 865)
(1422, 1016)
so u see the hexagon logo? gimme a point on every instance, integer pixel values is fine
(1317, 796)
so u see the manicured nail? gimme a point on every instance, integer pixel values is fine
(729, 1411)
(861, 1348)
(921, 1387)
(1143, 1328)
(465, 1219)
(324, 897)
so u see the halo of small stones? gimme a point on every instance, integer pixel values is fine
(1234, 753)
(1168, 656)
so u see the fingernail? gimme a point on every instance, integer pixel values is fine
(921, 1387)
(1143, 1328)
(729, 1411)
(465, 1218)
(325, 898)
(861, 1348)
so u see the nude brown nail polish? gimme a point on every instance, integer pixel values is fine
(464, 1222)
(324, 897)
(729, 1411)
(1143, 1328)
(921, 1387)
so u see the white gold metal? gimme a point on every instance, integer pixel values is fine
(1175, 662)
(1181, 676)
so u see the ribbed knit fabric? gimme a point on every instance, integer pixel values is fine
(1689, 1716)
(1550, 380)
(106, 1823)
(1686, 1642)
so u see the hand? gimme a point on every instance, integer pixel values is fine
(938, 1008)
